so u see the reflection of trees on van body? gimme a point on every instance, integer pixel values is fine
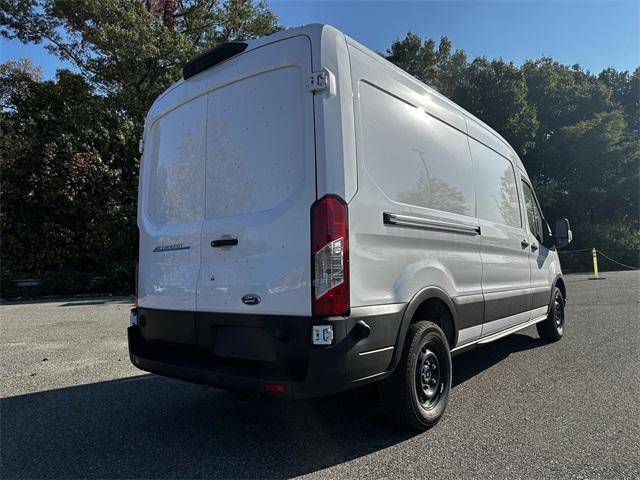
(508, 199)
(433, 192)
(496, 193)
(178, 176)
(437, 194)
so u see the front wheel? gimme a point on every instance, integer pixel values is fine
(552, 328)
(417, 392)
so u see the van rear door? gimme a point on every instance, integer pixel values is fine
(259, 179)
(171, 207)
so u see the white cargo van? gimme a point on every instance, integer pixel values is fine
(314, 219)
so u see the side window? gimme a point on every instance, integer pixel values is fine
(496, 191)
(533, 213)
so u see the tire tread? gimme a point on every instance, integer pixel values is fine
(397, 393)
(547, 328)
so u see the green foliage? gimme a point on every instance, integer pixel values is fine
(69, 148)
(615, 239)
(66, 164)
(577, 133)
(563, 95)
(496, 92)
(441, 68)
(625, 91)
(132, 50)
(21, 72)
(596, 163)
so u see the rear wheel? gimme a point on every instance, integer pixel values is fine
(417, 392)
(552, 328)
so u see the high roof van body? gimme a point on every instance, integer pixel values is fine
(313, 219)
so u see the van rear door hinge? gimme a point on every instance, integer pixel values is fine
(318, 81)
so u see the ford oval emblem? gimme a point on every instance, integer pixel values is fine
(251, 299)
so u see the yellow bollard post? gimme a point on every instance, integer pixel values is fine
(596, 274)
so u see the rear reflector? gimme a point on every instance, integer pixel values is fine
(330, 257)
(274, 388)
(212, 57)
(133, 317)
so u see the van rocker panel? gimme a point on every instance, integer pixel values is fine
(247, 352)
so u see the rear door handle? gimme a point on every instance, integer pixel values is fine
(224, 242)
(534, 247)
(524, 244)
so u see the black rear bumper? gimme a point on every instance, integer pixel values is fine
(265, 353)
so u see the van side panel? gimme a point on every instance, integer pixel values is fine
(413, 162)
(505, 262)
(544, 263)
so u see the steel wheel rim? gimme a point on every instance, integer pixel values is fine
(558, 314)
(429, 378)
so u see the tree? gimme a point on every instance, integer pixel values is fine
(441, 68)
(563, 95)
(19, 72)
(132, 50)
(495, 91)
(625, 91)
(595, 163)
(65, 200)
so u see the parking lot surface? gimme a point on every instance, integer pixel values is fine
(74, 407)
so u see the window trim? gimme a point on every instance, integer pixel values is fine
(515, 176)
(535, 200)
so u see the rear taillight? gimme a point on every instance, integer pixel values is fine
(330, 257)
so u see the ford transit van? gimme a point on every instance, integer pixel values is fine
(314, 219)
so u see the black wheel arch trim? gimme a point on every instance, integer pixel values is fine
(418, 299)
(563, 291)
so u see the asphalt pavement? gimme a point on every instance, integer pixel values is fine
(74, 407)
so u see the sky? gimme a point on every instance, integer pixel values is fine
(594, 34)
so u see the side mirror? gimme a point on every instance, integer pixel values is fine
(562, 234)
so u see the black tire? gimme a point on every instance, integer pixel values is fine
(416, 393)
(552, 328)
